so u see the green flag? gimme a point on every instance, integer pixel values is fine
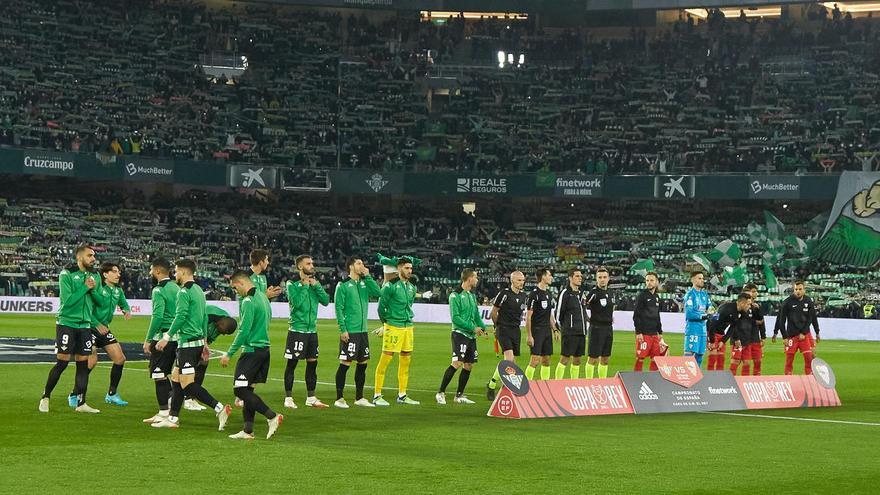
(852, 236)
(796, 244)
(769, 277)
(642, 267)
(774, 252)
(703, 261)
(735, 276)
(726, 253)
(775, 228)
(757, 232)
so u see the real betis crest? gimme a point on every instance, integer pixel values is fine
(852, 236)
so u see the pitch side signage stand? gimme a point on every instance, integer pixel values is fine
(679, 386)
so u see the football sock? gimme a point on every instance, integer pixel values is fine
(176, 399)
(340, 380)
(195, 390)
(756, 369)
(163, 389)
(447, 377)
(733, 368)
(115, 377)
(560, 371)
(495, 378)
(710, 365)
(254, 402)
(747, 369)
(575, 371)
(589, 370)
(545, 372)
(201, 370)
(789, 363)
(653, 366)
(530, 372)
(54, 376)
(603, 371)
(288, 376)
(311, 377)
(699, 358)
(403, 373)
(384, 361)
(640, 364)
(360, 379)
(463, 378)
(81, 382)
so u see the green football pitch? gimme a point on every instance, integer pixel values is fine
(429, 448)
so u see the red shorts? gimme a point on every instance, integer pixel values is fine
(650, 347)
(794, 344)
(743, 353)
(718, 340)
(757, 351)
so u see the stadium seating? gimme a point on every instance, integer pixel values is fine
(327, 90)
(38, 235)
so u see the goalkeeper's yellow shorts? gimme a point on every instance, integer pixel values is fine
(397, 339)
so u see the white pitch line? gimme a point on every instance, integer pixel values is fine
(813, 420)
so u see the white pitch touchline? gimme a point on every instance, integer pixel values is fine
(814, 420)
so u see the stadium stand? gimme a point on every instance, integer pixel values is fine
(326, 90)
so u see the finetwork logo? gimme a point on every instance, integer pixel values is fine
(645, 393)
(248, 178)
(376, 182)
(480, 185)
(758, 187)
(723, 391)
(579, 187)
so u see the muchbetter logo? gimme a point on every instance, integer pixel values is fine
(248, 178)
(481, 185)
(645, 393)
(149, 172)
(131, 169)
(775, 186)
(376, 182)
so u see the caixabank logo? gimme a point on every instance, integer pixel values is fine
(481, 185)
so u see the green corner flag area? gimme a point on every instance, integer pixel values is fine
(431, 448)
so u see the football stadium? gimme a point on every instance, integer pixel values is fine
(439, 246)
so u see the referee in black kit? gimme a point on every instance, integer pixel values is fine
(507, 311)
(600, 302)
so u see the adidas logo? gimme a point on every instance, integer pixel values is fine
(645, 393)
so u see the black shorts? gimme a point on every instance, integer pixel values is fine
(69, 340)
(464, 349)
(252, 368)
(509, 339)
(162, 362)
(573, 345)
(356, 349)
(543, 343)
(301, 345)
(600, 340)
(103, 341)
(188, 359)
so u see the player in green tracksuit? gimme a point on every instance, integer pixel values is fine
(352, 300)
(253, 366)
(109, 297)
(304, 296)
(259, 265)
(190, 326)
(467, 323)
(78, 286)
(164, 305)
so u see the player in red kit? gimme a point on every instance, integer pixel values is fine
(796, 315)
(649, 329)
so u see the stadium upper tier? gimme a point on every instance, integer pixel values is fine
(323, 90)
(39, 227)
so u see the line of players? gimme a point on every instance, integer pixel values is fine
(183, 326)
